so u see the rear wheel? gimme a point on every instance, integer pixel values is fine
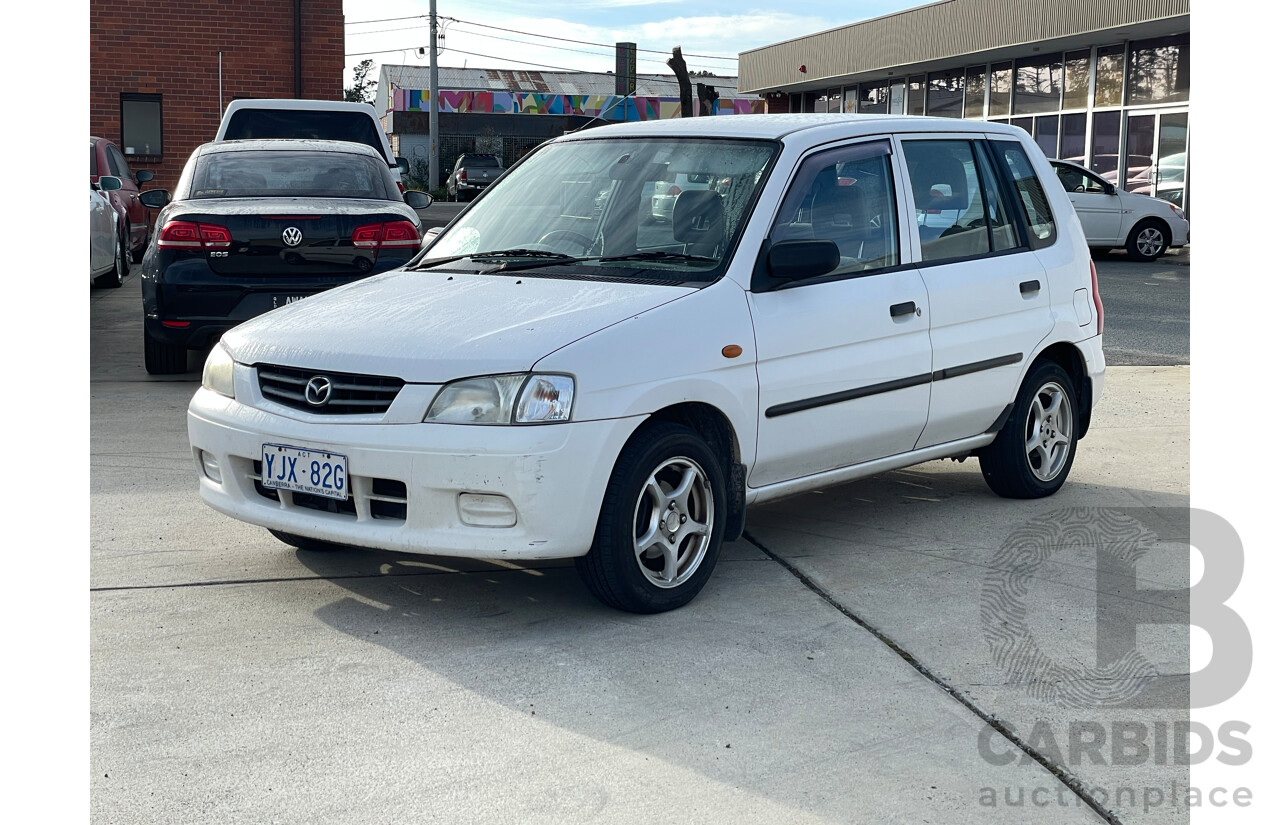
(115, 278)
(1033, 452)
(661, 523)
(163, 358)
(305, 543)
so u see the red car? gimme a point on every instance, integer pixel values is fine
(105, 158)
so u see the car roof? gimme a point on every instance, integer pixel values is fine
(308, 105)
(290, 144)
(814, 128)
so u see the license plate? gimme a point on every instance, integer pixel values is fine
(316, 472)
(278, 301)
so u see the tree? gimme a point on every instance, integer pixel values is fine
(362, 86)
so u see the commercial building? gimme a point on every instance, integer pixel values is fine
(161, 73)
(508, 112)
(1105, 83)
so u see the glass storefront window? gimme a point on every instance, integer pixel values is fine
(1109, 86)
(1171, 161)
(1001, 88)
(897, 97)
(1140, 153)
(1047, 135)
(915, 95)
(1037, 85)
(1026, 124)
(873, 99)
(1105, 155)
(1071, 145)
(850, 100)
(1075, 80)
(946, 94)
(975, 88)
(1160, 70)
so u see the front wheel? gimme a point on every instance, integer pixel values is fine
(1033, 452)
(661, 524)
(1147, 241)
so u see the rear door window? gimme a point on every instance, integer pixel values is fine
(960, 212)
(1035, 203)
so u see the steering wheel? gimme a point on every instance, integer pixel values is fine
(550, 239)
(1079, 188)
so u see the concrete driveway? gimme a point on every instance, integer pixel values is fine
(846, 663)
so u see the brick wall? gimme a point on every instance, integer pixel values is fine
(171, 49)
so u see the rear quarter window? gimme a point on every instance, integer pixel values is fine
(1035, 203)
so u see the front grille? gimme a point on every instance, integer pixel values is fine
(351, 394)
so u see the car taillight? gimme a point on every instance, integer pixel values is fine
(401, 185)
(385, 235)
(188, 235)
(673, 191)
(399, 233)
(1097, 297)
(462, 176)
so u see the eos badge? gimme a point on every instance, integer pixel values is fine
(291, 236)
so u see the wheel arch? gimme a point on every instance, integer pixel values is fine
(1146, 219)
(1069, 357)
(714, 427)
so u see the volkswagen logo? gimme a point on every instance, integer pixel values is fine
(291, 236)
(319, 391)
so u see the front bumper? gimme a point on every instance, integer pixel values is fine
(553, 476)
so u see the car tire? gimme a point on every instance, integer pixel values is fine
(1148, 241)
(305, 543)
(1034, 450)
(163, 358)
(661, 523)
(115, 278)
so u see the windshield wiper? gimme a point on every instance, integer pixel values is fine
(554, 257)
(658, 256)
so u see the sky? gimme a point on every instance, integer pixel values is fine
(711, 28)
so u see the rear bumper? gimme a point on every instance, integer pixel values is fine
(190, 305)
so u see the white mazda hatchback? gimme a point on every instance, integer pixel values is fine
(558, 376)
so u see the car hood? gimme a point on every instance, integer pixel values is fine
(427, 327)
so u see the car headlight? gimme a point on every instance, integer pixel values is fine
(520, 398)
(219, 372)
(1178, 211)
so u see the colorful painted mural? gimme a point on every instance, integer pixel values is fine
(606, 107)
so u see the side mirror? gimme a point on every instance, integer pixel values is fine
(143, 176)
(1109, 188)
(418, 200)
(155, 198)
(402, 165)
(787, 261)
(109, 183)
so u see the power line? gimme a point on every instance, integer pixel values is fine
(561, 48)
(581, 42)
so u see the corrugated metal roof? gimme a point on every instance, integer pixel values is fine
(515, 80)
(939, 31)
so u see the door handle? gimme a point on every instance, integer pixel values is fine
(906, 308)
(1027, 287)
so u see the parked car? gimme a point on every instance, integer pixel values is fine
(257, 224)
(1146, 227)
(132, 221)
(540, 384)
(107, 263)
(472, 172)
(310, 119)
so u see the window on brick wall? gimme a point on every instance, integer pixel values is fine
(140, 130)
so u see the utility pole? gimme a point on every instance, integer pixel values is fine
(433, 116)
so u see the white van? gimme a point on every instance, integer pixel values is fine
(319, 119)
(857, 294)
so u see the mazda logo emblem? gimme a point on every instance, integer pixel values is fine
(319, 391)
(291, 236)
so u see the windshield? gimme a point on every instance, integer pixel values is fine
(257, 174)
(625, 208)
(483, 161)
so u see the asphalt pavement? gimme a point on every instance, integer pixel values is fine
(849, 661)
